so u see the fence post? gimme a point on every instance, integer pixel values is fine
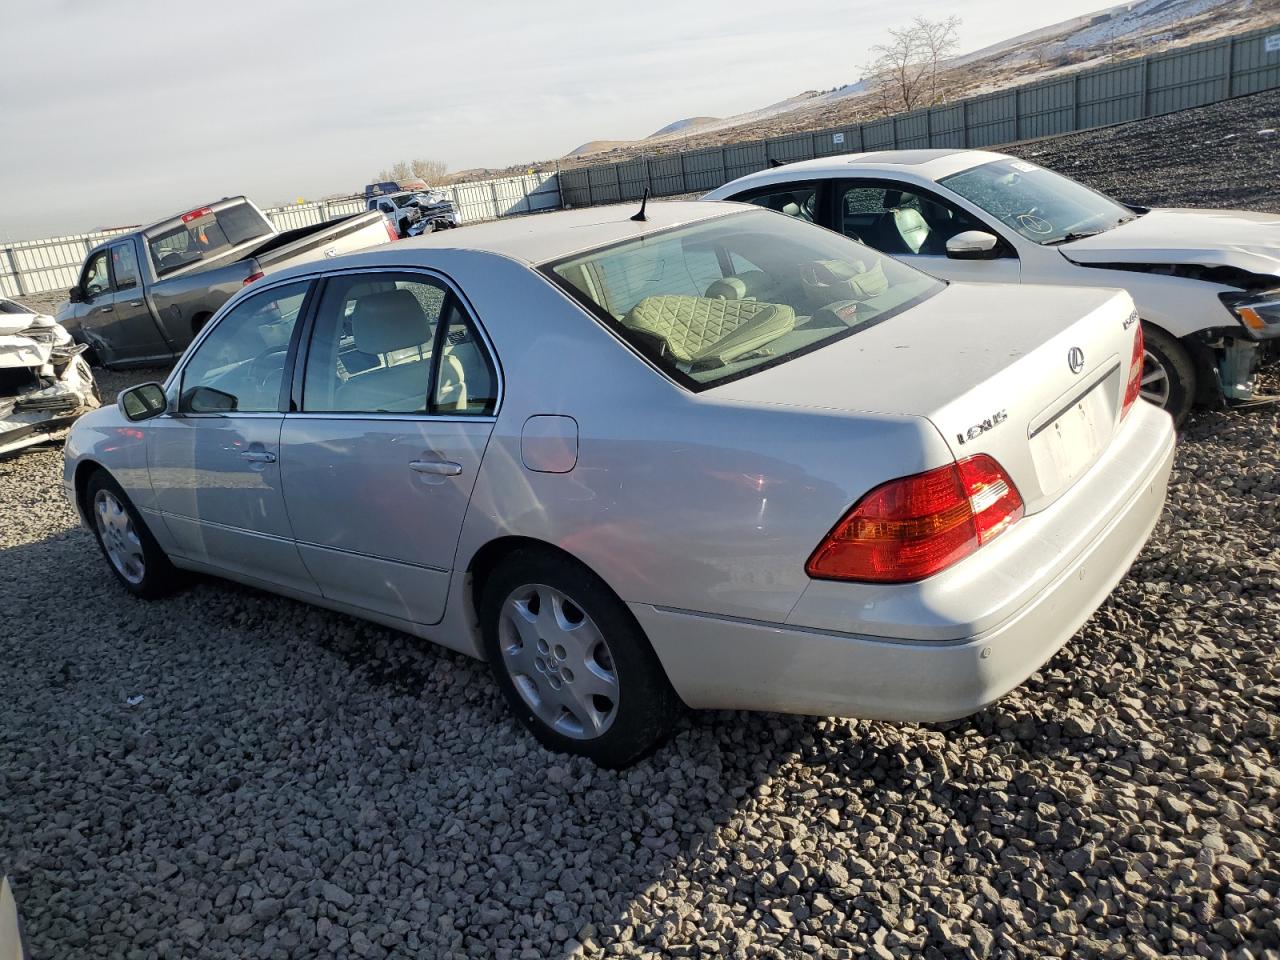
(493, 192)
(586, 172)
(13, 270)
(1075, 103)
(1146, 84)
(964, 122)
(617, 179)
(648, 175)
(324, 211)
(684, 178)
(1231, 68)
(1017, 114)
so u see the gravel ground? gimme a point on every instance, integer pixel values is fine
(296, 783)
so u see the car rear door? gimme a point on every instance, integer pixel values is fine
(131, 331)
(393, 405)
(215, 461)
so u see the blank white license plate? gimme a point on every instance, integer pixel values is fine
(1066, 447)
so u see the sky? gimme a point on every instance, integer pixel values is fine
(123, 112)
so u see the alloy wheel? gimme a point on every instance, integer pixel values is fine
(559, 661)
(119, 538)
(1155, 386)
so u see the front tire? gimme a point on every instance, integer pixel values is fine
(572, 662)
(132, 553)
(1168, 374)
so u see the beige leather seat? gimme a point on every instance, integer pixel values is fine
(701, 330)
(389, 324)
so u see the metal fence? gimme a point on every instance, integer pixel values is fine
(41, 266)
(1190, 76)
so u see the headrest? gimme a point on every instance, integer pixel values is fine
(791, 209)
(387, 321)
(892, 198)
(730, 288)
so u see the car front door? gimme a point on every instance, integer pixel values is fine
(914, 224)
(215, 461)
(95, 312)
(393, 408)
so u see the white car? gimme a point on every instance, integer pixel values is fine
(45, 383)
(714, 455)
(1206, 282)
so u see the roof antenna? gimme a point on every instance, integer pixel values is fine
(639, 214)
(774, 162)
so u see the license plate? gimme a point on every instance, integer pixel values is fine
(1066, 447)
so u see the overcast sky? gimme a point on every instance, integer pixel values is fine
(123, 111)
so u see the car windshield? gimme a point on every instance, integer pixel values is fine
(9, 306)
(722, 299)
(206, 233)
(1041, 205)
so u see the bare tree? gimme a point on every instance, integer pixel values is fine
(905, 69)
(400, 170)
(432, 171)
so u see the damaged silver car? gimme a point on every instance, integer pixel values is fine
(45, 383)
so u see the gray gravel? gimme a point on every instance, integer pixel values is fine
(295, 783)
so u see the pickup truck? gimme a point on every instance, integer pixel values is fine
(142, 296)
(414, 213)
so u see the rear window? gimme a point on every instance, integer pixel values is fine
(719, 300)
(205, 235)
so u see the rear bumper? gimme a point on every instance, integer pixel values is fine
(720, 663)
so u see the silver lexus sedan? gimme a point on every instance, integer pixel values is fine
(709, 456)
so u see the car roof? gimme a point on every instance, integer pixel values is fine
(927, 164)
(544, 237)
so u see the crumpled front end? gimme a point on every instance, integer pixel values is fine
(45, 382)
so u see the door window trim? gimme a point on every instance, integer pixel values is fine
(292, 404)
(1008, 251)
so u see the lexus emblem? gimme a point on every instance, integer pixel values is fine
(1075, 359)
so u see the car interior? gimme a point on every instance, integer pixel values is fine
(710, 307)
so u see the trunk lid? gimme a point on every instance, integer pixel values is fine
(1032, 376)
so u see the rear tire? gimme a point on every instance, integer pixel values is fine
(572, 662)
(130, 549)
(1168, 374)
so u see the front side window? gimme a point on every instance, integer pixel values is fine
(1041, 205)
(395, 343)
(721, 299)
(239, 366)
(125, 266)
(96, 280)
(898, 221)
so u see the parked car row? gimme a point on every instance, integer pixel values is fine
(701, 454)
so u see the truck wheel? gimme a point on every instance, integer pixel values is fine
(572, 662)
(1168, 374)
(403, 229)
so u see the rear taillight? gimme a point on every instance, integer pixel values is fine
(1134, 385)
(392, 233)
(913, 527)
(252, 277)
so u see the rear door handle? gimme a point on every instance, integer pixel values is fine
(258, 456)
(439, 468)
(135, 303)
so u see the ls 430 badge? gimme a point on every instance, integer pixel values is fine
(978, 429)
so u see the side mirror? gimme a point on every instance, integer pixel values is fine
(74, 294)
(972, 245)
(142, 402)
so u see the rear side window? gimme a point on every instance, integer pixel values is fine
(718, 300)
(124, 265)
(395, 343)
(206, 233)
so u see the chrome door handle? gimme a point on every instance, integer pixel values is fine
(258, 456)
(439, 468)
(135, 303)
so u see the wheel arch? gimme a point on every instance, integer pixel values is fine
(85, 469)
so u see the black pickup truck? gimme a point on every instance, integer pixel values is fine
(143, 296)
